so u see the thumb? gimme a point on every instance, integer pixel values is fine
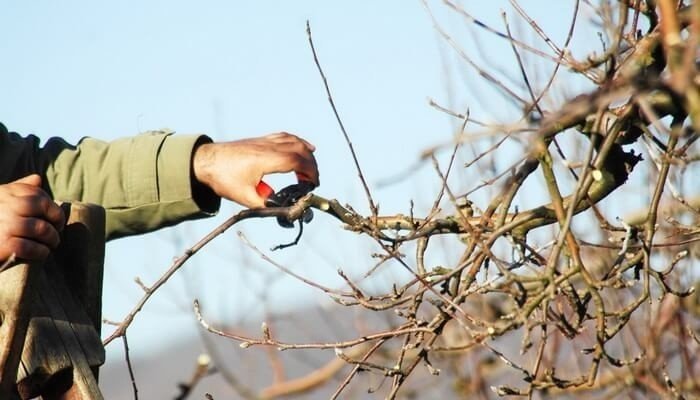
(33, 180)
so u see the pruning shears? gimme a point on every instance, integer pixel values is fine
(286, 197)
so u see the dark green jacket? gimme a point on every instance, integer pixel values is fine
(143, 182)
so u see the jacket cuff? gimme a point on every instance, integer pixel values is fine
(176, 182)
(159, 186)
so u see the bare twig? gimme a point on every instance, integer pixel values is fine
(372, 206)
(292, 213)
(248, 341)
(129, 367)
(202, 369)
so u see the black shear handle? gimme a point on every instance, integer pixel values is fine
(285, 198)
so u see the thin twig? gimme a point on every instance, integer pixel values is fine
(292, 213)
(129, 367)
(248, 341)
(288, 271)
(372, 206)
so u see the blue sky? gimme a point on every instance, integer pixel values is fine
(234, 69)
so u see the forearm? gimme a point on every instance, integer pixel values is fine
(143, 182)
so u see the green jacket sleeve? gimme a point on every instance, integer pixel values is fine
(143, 182)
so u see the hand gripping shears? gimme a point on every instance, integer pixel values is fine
(286, 197)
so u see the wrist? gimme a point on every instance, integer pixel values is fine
(200, 175)
(202, 160)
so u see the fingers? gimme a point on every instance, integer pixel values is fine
(31, 180)
(38, 205)
(233, 169)
(304, 166)
(28, 185)
(29, 220)
(35, 229)
(24, 249)
(32, 201)
(305, 169)
(295, 154)
(284, 137)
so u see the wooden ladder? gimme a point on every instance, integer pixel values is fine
(50, 316)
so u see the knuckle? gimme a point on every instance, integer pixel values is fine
(297, 146)
(35, 204)
(24, 208)
(52, 208)
(289, 137)
(42, 203)
(40, 227)
(24, 205)
(29, 190)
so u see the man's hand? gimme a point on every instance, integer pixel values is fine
(233, 169)
(29, 220)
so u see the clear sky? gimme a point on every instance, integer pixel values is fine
(233, 69)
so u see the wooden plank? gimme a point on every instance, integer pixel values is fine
(81, 257)
(80, 265)
(44, 357)
(83, 267)
(71, 319)
(61, 345)
(63, 349)
(15, 284)
(81, 343)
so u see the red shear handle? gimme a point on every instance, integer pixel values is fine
(264, 190)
